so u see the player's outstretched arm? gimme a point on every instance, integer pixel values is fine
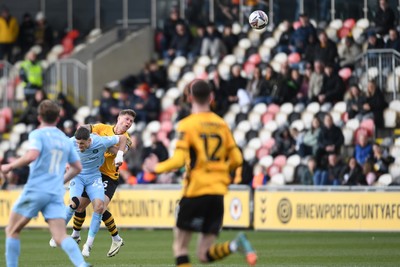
(25, 160)
(175, 162)
(74, 169)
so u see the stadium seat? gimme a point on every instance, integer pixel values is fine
(313, 107)
(369, 125)
(266, 161)
(235, 108)
(249, 154)
(395, 151)
(224, 71)
(7, 114)
(390, 118)
(270, 42)
(299, 107)
(337, 118)
(240, 137)
(264, 134)
(240, 54)
(326, 107)
(353, 124)
(307, 118)
(173, 73)
(277, 179)
(384, 180)
(348, 134)
(340, 107)
(273, 108)
(336, 24)
(345, 74)
(267, 117)
(260, 108)
(255, 120)
(286, 108)
(281, 58)
(244, 125)
(244, 43)
(293, 160)
(167, 102)
(204, 60)
(395, 105)
(229, 118)
(269, 143)
(271, 125)
(281, 118)
(272, 170)
(153, 126)
(394, 170)
(262, 152)
(362, 23)
(349, 23)
(280, 160)
(255, 143)
(288, 172)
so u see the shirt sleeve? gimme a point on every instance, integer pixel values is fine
(96, 128)
(34, 141)
(182, 141)
(109, 141)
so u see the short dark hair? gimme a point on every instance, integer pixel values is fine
(82, 133)
(129, 112)
(49, 111)
(200, 90)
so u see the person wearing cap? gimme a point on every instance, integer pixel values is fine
(9, 30)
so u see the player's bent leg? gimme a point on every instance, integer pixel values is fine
(58, 231)
(180, 247)
(207, 251)
(13, 244)
(243, 245)
(79, 218)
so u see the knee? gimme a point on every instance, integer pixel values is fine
(98, 207)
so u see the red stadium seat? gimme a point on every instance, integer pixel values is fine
(349, 23)
(273, 108)
(6, 113)
(280, 161)
(345, 73)
(266, 117)
(273, 170)
(369, 125)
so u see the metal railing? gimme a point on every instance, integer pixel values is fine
(8, 82)
(69, 77)
(380, 65)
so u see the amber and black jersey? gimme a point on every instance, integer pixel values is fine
(108, 167)
(206, 147)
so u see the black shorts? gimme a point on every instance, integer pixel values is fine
(110, 185)
(201, 214)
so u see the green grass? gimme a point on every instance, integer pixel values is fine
(153, 248)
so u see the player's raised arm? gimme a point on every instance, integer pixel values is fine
(119, 158)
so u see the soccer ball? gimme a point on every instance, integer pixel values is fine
(258, 19)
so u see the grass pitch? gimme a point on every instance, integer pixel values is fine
(153, 248)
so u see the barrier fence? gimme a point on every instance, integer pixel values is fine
(269, 208)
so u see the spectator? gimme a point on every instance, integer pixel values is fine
(17, 176)
(309, 145)
(316, 81)
(260, 177)
(330, 140)
(353, 173)
(306, 177)
(29, 115)
(309, 53)
(43, 34)
(145, 104)
(197, 42)
(302, 95)
(299, 40)
(363, 150)
(229, 39)
(67, 111)
(293, 86)
(154, 75)
(284, 39)
(384, 18)
(355, 103)
(212, 43)
(108, 109)
(31, 75)
(156, 147)
(26, 37)
(9, 30)
(333, 87)
(368, 171)
(375, 103)
(236, 82)
(381, 160)
(170, 28)
(180, 43)
(125, 100)
(394, 41)
(253, 85)
(374, 42)
(335, 170)
(270, 88)
(348, 52)
(285, 144)
(326, 51)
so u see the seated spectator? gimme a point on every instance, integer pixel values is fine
(156, 147)
(330, 140)
(236, 82)
(229, 39)
(309, 53)
(374, 42)
(284, 39)
(326, 51)
(67, 111)
(333, 87)
(363, 150)
(154, 75)
(170, 28)
(26, 38)
(260, 177)
(145, 104)
(253, 84)
(368, 171)
(108, 109)
(197, 42)
(270, 88)
(335, 170)
(306, 177)
(285, 143)
(355, 103)
(293, 86)
(212, 45)
(316, 81)
(394, 41)
(381, 160)
(375, 103)
(43, 34)
(384, 18)
(302, 95)
(30, 114)
(353, 173)
(348, 53)
(180, 43)
(299, 39)
(309, 143)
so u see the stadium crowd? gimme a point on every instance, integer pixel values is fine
(309, 77)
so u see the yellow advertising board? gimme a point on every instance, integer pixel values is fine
(149, 208)
(358, 211)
